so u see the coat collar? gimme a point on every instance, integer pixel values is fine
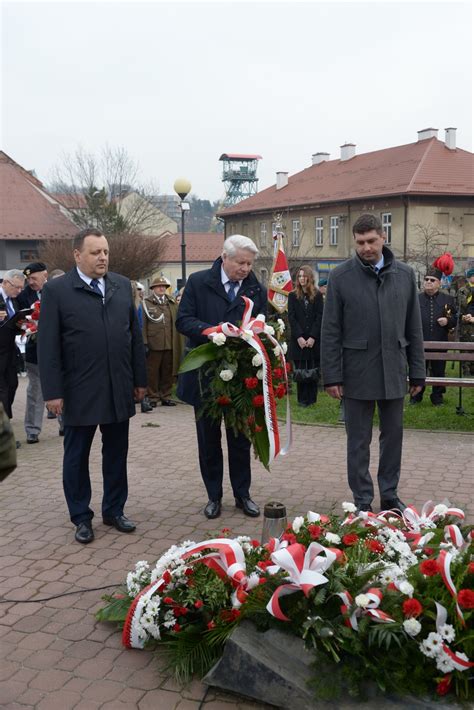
(390, 263)
(213, 279)
(111, 284)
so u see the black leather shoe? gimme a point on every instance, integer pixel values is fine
(61, 432)
(32, 439)
(392, 504)
(212, 509)
(84, 532)
(146, 407)
(18, 445)
(120, 523)
(152, 404)
(167, 403)
(51, 415)
(248, 506)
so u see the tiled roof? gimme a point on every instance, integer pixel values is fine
(27, 210)
(73, 201)
(426, 167)
(200, 246)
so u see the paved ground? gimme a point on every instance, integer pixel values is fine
(54, 654)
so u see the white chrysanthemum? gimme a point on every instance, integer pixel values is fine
(284, 348)
(226, 375)
(349, 507)
(153, 607)
(444, 663)
(407, 588)
(412, 627)
(253, 580)
(332, 537)
(447, 632)
(432, 645)
(313, 517)
(440, 509)
(257, 360)
(218, 338)
(269, 329)
(297, 523)
(259, 374)
(281, 323)
(362, 600)
(154, 630)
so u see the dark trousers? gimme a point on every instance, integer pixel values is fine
(76, 476)
(8, 381)
(159, 368)
(359, 414)
(307, 392)
(211, 459)
(437, 368)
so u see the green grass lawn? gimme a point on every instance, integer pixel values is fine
(421, 416)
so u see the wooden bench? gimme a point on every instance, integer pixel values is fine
(450, 352)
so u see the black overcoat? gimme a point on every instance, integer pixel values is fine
(205, 303)
(434, 307)
(305, 323)
(90, 353)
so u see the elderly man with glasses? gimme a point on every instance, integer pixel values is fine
(12, 284)
(438, 316)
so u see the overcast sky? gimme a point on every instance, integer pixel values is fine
(178, 84)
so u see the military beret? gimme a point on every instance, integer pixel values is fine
(322, 282)
(34, 267)
(470, 272)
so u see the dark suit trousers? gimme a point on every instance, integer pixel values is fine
(76, 476)
(211, 459)
(8, 380)
(437, 368)
(359, 415)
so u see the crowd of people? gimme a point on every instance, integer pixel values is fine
(103, 345)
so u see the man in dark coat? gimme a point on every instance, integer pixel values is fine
(371, 337)
(92, 367)
(438, 316)
(12, 284)
(212, 297)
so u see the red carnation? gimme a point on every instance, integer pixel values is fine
(189, 571)
(166, 577)
(280, 391)
(258, 400)
(374, 546)
(198, 604)
(470, 568)
(168, 600)
(211, 625)
(466, 598)
(315, 531)
(225, 530)
(428, 551)
(350, 539)
(429, 568)
(278, 372)
(412, 608)
(258, 428)
(290, 537)
(255, 543)
(223, 400)
(288, 366)
(444, 685)
(324, 519)
(263, 564)
(230, 615)
(262, 580)
(251, 383)
(176, 627)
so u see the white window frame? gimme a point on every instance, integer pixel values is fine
(295, 232)
(387, 226)
(319, 231)
(333, 239)
(263, 234)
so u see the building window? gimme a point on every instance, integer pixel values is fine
(387, 225)
(295, 232)
(334, 231)
(319, 229)
(29, 255)
(263, 234)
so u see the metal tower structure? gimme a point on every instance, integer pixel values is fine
(239, 175)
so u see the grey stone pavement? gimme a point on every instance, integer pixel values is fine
(54, 654)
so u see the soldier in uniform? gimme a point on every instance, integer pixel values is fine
(162, 342)
(438, 316)
(465, 301)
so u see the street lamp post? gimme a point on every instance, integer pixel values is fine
(182, 187)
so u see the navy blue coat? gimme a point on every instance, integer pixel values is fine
(90, 353)
(204, 304)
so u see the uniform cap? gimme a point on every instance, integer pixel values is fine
(34, 267)
(159, 281)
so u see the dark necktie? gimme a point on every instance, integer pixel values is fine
(10, 309)
(233, 288)
(95, 287)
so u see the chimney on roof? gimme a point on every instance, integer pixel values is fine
(282, 180)
(450, 138)
(426, 133)
(348, 151)
(317, 158)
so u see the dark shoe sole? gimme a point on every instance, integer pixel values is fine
(32, 441)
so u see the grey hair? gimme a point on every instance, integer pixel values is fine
(13, 274)
(238, 241)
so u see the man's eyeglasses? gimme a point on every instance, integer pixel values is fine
(427, 278)
(18, 288)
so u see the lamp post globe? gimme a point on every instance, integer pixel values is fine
(182, 187)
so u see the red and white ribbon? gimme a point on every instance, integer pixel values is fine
(305, 569)
(416, 521)
(249, 331)
(460, 664)
(444, 565)
(375, 596)
(130, 633)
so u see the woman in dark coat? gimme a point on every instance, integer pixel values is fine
(305, 314)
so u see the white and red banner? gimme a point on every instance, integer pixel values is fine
(279, 283)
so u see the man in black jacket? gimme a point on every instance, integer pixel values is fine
(438, 316)
(12, 284)
(212, 297)
(92, 368)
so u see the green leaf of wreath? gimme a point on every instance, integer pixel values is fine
(197, 357)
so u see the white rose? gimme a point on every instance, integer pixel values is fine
(362, 600)
(257, 360)
(259, 374)
(313, 517)
(412, 626)
(284, 347)
(277, 350)
(331, 537)
(440, 509)
(297, 523)
(281, 323)
(406, 588)
(260, 317)
(226, 375)
(349, 507)
(270, 330)
(218, 338)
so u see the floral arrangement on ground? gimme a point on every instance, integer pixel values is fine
(243, 372)
(386, 598)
